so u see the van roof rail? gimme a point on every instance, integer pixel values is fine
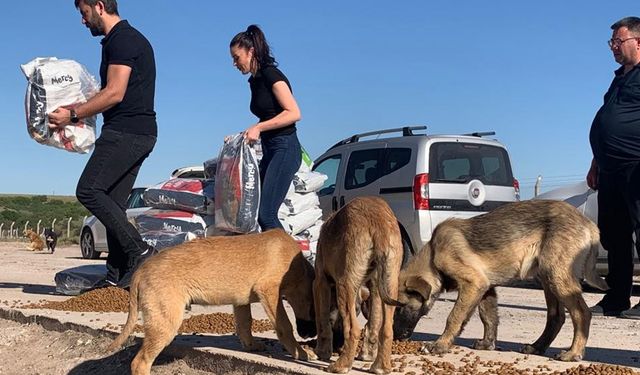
(480, 134)
(407, 131)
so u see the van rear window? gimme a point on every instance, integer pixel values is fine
(457, 162)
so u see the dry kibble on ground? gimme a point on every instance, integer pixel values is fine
(117, 300)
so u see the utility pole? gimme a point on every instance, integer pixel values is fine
(536, 188)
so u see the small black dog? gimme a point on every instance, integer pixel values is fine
(51, 238)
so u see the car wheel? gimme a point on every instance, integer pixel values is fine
(87, 246)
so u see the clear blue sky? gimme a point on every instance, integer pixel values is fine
(534, 72)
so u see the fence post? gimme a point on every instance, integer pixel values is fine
(26, 225)
(38, 226)
(69, 227)
(11, 230)
(1, 233)
(53, 225)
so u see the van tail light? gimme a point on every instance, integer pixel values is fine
(421, 191)
(516, 187)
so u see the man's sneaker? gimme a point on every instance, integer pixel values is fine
(598, 310)
(134, 263)
(102, 283)
(632, 313)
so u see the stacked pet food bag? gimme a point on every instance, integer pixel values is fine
(300, 213)
(238, 195)
(181, 210)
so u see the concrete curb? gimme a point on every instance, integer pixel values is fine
(195, 358)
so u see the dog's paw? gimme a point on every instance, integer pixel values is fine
(484, 345)
(380, 370)
(308, 355)
(365, 357)
(568, 356)
(323, 353)
(337, 368)
(530, 349)
(435, 348)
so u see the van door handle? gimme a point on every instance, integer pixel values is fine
(342, 201)
(334, 204)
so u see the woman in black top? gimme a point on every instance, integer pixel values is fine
(273, 103)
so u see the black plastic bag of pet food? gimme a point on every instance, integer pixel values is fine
(172, 221)
(210, 167)
(76, 280)
(237, 187)
(187, 194)
(161, 240)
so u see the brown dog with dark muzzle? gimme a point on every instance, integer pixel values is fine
(547, 240)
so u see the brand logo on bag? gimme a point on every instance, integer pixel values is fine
(61, 79)
(171, 227)
(251, 177)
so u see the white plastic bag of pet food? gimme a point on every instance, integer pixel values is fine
(313, 232)
(298, 202)
(172, 221)
(161, 240)
(307, 162)
(187, 194)
(306, 182)
(54, 83)
(294, 224)
(237, 187)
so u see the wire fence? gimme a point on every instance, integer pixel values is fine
(66, 228)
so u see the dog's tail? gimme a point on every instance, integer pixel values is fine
(384, 276)
(131, 319)
(590, 275)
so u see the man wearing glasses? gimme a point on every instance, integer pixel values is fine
(615, 169)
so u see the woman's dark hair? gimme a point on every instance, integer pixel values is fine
(254, 38)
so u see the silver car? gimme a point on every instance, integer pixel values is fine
(93, 236)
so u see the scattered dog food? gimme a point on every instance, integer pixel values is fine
(117, 300)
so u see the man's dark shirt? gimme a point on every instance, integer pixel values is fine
(264, 103)
(615, 131)
(125, 45)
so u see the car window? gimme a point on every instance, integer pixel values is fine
(330, 168)
(396, 159)
(458, 162)
(135, 199)
(363, 168)
(191, 174)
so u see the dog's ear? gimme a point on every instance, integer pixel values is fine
(418, 285)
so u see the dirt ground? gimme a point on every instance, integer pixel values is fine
(26, 277)
(30, 349)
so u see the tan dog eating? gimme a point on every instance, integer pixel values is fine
(235, 270)
(360, 245)
(549, 240)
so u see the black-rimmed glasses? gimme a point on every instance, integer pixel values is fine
(617, 42)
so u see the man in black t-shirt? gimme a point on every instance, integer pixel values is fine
(128, 135)
(615, 169)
